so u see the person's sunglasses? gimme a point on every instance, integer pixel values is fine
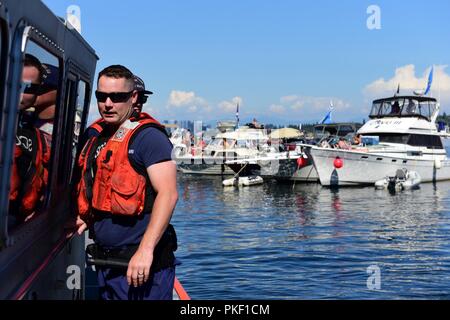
(115, 97)
(30, 88)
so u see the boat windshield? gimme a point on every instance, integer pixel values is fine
(403, 107)
(341, 130)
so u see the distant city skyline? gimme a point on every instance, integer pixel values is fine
(283, 62)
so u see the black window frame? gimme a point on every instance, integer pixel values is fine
(69, 104)
(415, 140)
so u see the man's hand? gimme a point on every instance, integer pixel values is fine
(163, 179)
(139, 267)
(80, 225)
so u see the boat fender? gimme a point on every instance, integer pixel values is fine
(338, 163)
(437, 164)
(301, 162)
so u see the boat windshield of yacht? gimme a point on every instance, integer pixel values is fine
(404, 106)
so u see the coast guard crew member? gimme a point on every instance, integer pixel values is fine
(127, 194)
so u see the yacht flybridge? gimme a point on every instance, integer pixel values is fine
(401, 133)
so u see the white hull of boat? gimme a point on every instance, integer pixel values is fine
(205, 169)
(289, 171)
(360, 168)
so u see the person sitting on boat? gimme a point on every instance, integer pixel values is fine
(343, 144)
(357, 140)
(228, 143)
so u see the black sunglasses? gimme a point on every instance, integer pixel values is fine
(30, 88)
(115, 97)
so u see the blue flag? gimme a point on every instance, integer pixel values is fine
(327, 118)
(430, 80)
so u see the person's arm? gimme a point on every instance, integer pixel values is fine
(163, 179)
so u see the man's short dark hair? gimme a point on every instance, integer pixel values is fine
(32, 61)
(117, 71)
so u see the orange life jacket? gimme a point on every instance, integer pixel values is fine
(27, 187)
(117, 186)
(98, 125)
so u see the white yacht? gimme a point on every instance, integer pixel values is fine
(401, 134)
(231, 145)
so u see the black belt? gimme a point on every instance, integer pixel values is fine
(163, 256)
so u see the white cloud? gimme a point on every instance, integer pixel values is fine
(150, 110)
(187, 100)
(277, 108)
(309, 108)
(181, 98)
(309, 103)
(289, 99)
(406, 77)
(230, 106)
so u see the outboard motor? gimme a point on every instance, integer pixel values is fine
(392, 184)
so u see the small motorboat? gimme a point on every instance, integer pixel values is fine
(243, 181)
(403, 180)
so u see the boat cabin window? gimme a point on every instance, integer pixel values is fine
(416, 140)
(423, 140)
(216, 143)
(394, 138)
(243, 144)
(31, 169)
(402, 107)
(427, 108)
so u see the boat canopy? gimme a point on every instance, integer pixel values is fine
(285, 133)
(243, 134)
(404, 106)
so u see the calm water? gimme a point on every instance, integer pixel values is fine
(280, 241)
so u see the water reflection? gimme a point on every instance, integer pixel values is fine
(276, 241)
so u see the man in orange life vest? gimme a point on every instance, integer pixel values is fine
(142, 97)
(27, 178)
(127, 194)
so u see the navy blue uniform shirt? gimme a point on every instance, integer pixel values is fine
(150, 146)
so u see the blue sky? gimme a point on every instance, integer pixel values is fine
(282, 60)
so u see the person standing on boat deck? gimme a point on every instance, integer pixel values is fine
(127, 194)
(395, 109)
(139, 86)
